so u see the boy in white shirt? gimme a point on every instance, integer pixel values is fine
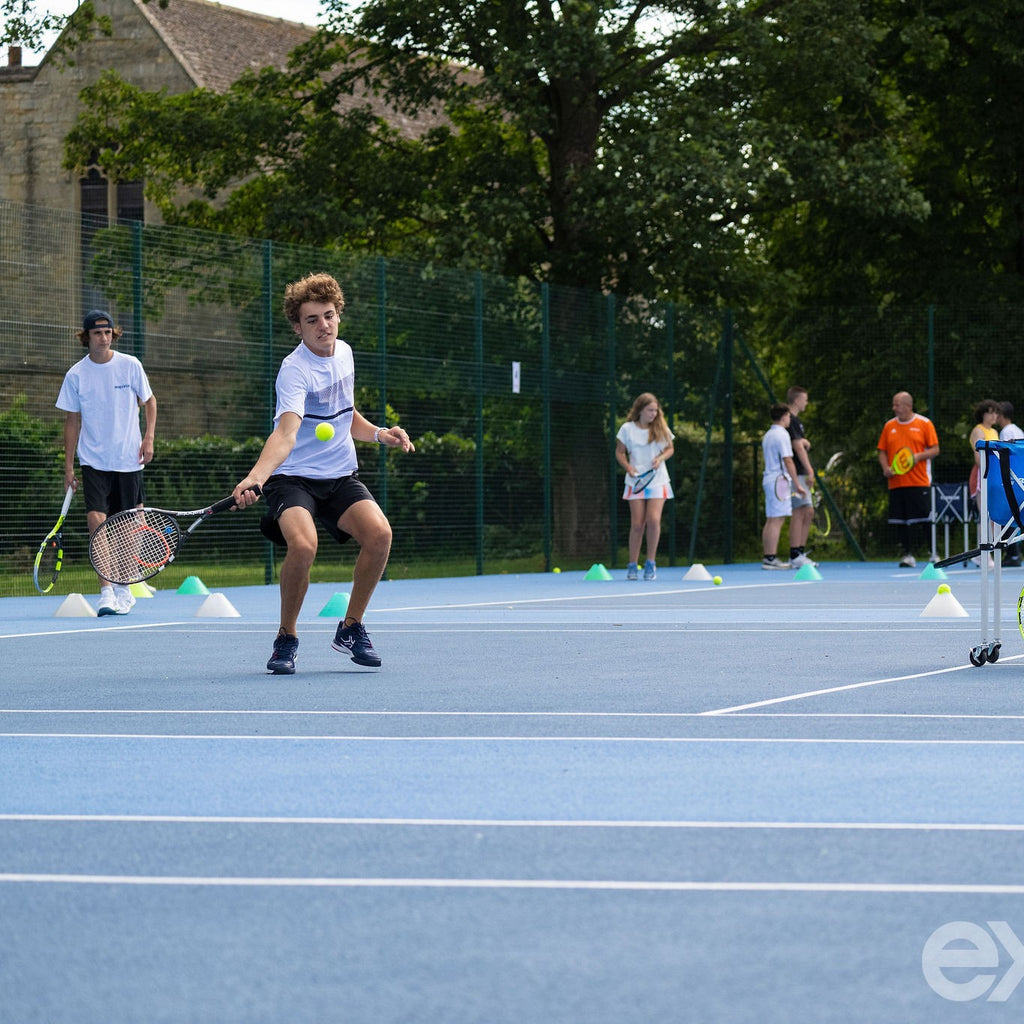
(777, 451)
(100, 398)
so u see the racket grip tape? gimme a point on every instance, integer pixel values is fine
(225, 503)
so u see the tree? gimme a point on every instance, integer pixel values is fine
(617, 145)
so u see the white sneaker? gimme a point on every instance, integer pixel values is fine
(108, 603)
(801, 560)
(774, 563)
(125, 600)
(908, 561)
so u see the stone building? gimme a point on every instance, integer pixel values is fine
(185, 45)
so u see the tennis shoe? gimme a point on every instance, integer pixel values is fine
(125, 600)
(908, 561)
(650, 570)
(631, 571)
(774, 563)
(282, 661)
(801, 560)
(353, 640)
(108, 603)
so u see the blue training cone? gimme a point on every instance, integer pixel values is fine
(597, 572)
(193, 585)
(807, 572)
(336, 606)
(931, 572)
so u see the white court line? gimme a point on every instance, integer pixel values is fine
(91, 629)
(531, 823)
(850, 686)
(343, 738)
(201, 712)
(602, 885)
(604, 595)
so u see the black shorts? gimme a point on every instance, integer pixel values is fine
(109, 492)
(325, 500)
(908, 505)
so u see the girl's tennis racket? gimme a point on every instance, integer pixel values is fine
(640, 482)
(136, 544)
(783, 489)
(50, 556)
(903, 461)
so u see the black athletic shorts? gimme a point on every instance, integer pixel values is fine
(909, 505)
(325, 500)
(109, 492)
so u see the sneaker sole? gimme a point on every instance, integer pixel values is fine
(281, 671)
(366, 662)
(107, 611)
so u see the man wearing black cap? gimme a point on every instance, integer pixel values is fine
(100, 398)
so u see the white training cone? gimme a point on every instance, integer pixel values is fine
(697, 572)
(75, 606)
(217, 606)
(944, 606)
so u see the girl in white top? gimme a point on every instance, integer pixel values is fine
(645, 442)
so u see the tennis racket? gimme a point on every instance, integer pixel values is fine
(136, 544)
(783, 489)
(822, 519)
(972, 482)
(50, 556)
(640, 482)
(902, 461)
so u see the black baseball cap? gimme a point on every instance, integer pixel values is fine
(97, 318)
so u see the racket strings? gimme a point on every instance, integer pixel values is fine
(129, 546)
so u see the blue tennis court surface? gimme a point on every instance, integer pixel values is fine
(559, 800)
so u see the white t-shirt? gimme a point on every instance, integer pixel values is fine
(641, 452)
(320, 389)
(107, 395)
(776, 445)
(1011, 432)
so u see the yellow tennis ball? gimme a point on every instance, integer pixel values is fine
(717, 581)
(324, 431)
(556, 569)
(944, 588)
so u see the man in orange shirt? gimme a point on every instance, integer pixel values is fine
(909, 493)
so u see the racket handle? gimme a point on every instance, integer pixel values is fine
(225, 503)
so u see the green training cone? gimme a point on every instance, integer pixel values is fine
(192, 585)
(929, 572)
(336, 606)
(597, 572)
(807, 572)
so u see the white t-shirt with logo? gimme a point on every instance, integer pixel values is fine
(320, 389)
(107, 396)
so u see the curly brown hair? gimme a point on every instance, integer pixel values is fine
(312, 288)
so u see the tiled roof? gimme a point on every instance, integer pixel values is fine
(216, 44)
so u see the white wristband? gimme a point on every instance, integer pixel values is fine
(376, 435)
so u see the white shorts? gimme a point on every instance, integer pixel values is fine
(774, 507)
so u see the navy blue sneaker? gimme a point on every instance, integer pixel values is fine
(353, 640)
(282, 661)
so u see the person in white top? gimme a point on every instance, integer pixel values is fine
(777, 453)
(100, 398)
(644, 442)
(1009, 431)
(305, 480)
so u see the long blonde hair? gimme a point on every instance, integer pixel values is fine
(658, 430)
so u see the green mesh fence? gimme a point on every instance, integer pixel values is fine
(512, 392)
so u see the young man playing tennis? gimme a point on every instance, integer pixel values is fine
(100, 398)
(306, 480)
(909, 492)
